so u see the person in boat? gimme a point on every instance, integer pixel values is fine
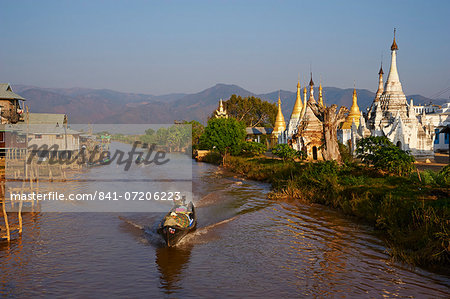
(180, 214)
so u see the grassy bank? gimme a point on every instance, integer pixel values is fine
(412, 213)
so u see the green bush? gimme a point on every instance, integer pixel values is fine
(285, 152)
(346, 153)
(250, 148)
(384, 155)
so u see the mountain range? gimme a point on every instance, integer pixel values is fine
(84, 105)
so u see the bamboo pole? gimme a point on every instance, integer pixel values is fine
(20, 213)
(5, 215)
(36, 175)
(50, 175)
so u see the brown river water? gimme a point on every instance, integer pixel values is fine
(245, 246)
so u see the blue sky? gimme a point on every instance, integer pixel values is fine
(162, 47)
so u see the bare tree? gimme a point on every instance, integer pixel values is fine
(330, 120)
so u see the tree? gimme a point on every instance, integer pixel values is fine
(367, 148)
(251, 148)
(197, 131)
(161, 136)
(225, 135)
(384, 155)
(330, 122)
(286, 152)
(149, 132)
(251, 110)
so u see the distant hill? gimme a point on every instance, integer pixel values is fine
(85, 105)
(196, 106)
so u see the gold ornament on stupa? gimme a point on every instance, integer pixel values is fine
(280, 124)
(320, 96)
(354, 114)
(298, 106)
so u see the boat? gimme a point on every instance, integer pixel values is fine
(139, 160)
(104, 161)
(178, 222)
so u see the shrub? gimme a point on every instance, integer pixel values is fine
(346, 154)
(285, 152)
(250, 148)
(384, 155)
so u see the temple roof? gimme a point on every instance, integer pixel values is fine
(6, 93)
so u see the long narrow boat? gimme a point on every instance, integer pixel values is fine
(180, 220)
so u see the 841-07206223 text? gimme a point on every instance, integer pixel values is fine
(98, 195)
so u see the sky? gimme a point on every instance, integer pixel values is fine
(160, 47)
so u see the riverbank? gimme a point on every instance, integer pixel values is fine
(411, 213)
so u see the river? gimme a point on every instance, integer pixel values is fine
(245, 246)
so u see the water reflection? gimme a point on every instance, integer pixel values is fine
(172, 262)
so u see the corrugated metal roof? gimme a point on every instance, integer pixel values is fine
(41, 129)
(47, 118)
(258, 131)
(7, 93)
(50, 129)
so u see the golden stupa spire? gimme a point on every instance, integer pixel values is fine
(280, 124)
(320, 95)
(354, 114)
(311, 90)
(298, 106)
(394, 44)
(304, 101)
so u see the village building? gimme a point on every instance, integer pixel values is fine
(57, 119)
(391, 116)
(53, 141)
(11, 105)
(430, 108)
(437, 118)
(260, 135)
(13, 141)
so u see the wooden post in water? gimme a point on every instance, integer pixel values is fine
(50, 175)
(5, 215)
(19, 214)
(36, 175)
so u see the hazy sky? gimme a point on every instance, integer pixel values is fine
(162, 47)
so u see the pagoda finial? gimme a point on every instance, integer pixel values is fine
(311, 82)
(381, 69)
(394, 44)
(355, 114)
(320, 94)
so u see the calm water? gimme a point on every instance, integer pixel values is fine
(245, 246)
